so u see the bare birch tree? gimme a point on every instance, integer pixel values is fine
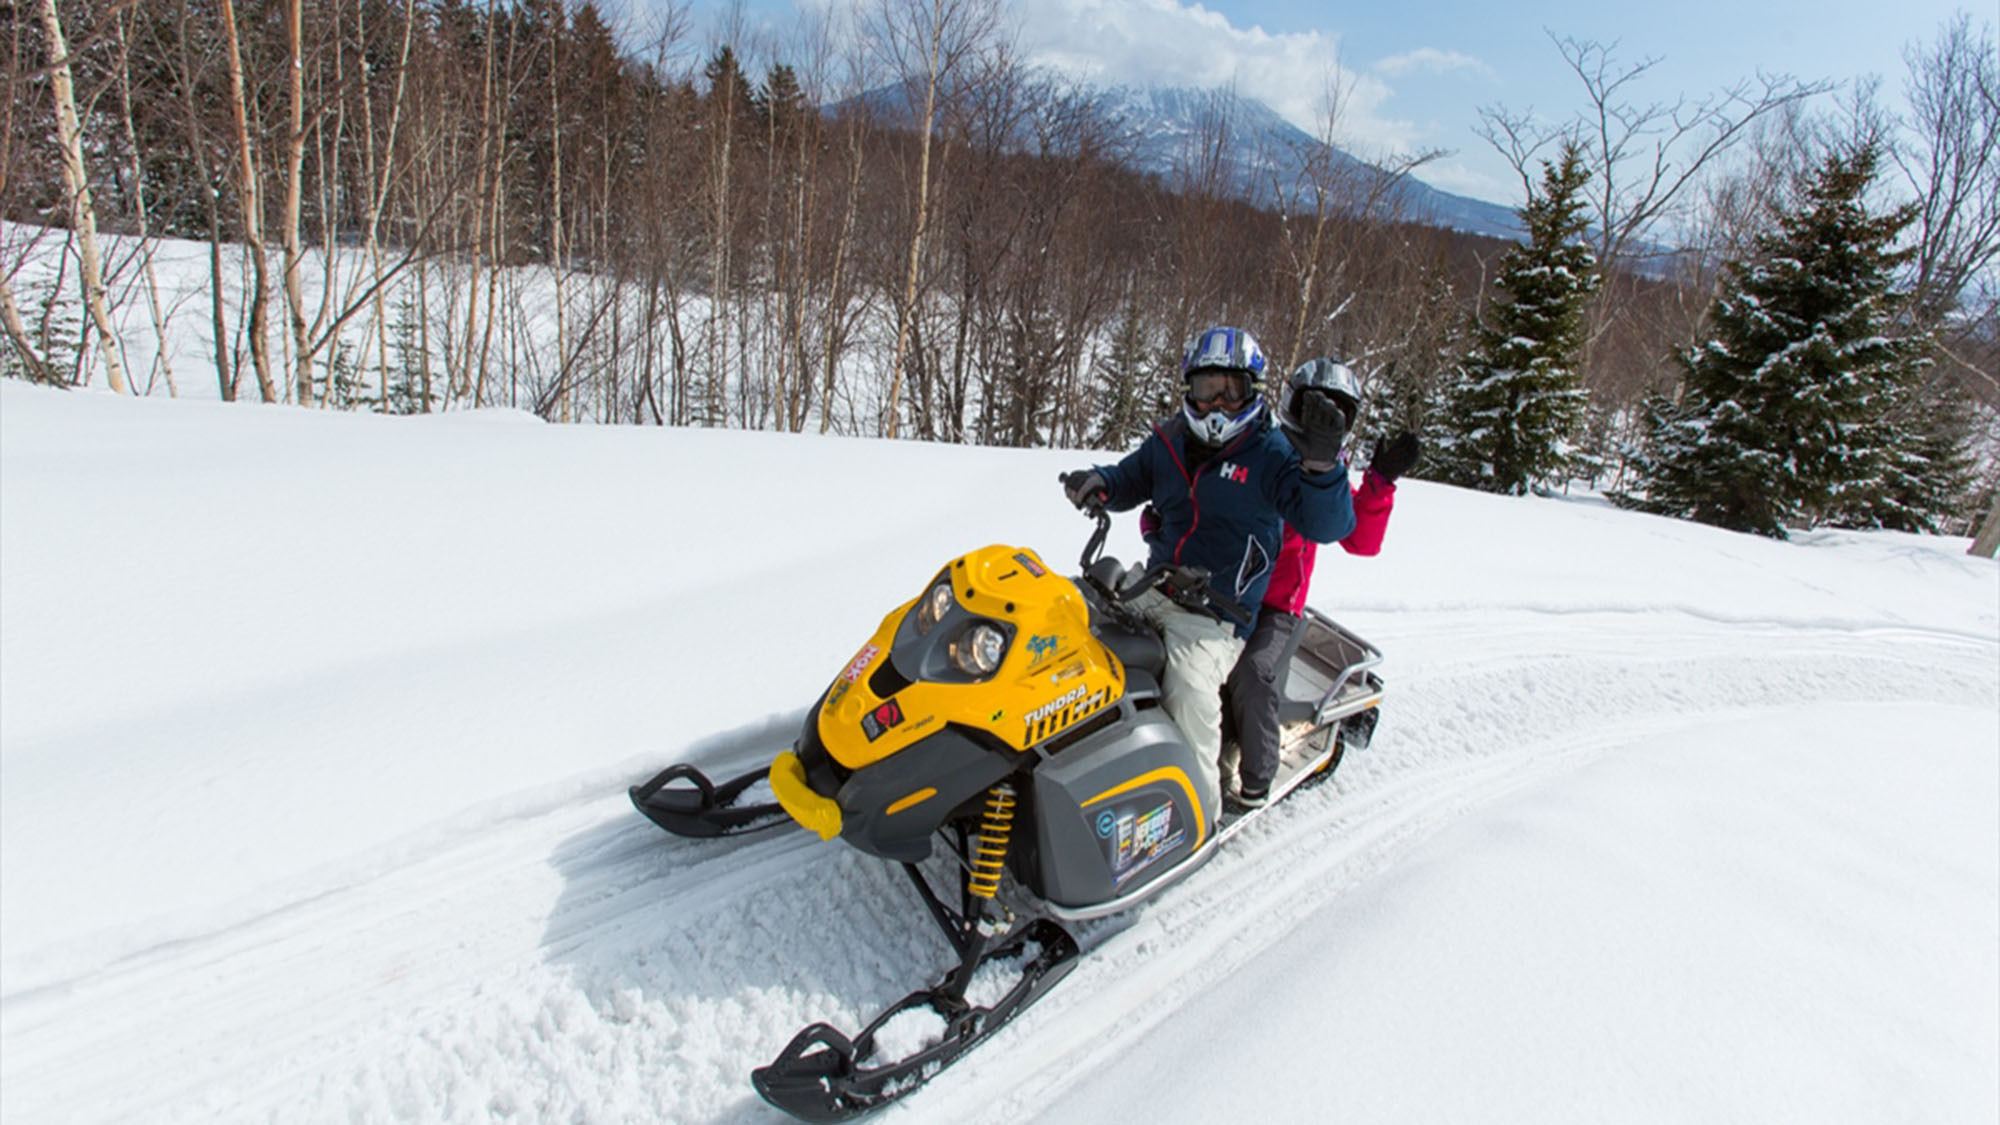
(250, 201)
(924, 41)
(295, 152)
(82, 215)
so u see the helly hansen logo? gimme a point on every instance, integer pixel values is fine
(1231, 471)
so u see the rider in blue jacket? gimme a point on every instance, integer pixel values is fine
(1225, 482)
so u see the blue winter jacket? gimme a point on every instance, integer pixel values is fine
(1229, 516)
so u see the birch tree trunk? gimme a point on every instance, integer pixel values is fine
(295, 152)
(17, 334)
(556, 221)
(83, 216)
(906, 306)
(251, 202)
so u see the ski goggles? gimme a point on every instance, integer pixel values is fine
(1208, 390)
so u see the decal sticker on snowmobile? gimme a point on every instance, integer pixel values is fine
(1059, 713)
(1029, 564)
(860, 663)
(1142, 830)
(876, 723)
(1041, 648)
(1068, 672)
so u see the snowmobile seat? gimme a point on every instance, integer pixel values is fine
(1136, 644)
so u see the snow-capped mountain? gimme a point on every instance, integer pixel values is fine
(1267, 156)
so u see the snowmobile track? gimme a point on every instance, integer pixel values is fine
(566, 965)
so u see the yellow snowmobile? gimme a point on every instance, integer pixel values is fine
(1014, 716)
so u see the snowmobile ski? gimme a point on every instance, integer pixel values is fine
(703, 808)
(823, 1075)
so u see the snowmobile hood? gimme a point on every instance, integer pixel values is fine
(915, 675)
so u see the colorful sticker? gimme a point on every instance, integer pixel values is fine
(1041, 648)
(1029, 564)
(876, 723)
(1139, 836)
(860, 662)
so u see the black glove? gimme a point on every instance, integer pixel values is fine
(1397, 456)
(1322, 427)
(1084, 487)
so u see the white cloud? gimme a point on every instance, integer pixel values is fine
(1176, 44)
(1460, 177)
(1430, 60)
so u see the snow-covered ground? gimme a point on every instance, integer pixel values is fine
(315, 728)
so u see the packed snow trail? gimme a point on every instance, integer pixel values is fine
(579, 963)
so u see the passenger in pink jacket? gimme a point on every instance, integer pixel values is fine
(1254, 691)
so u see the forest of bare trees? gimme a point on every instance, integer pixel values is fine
(411, 205)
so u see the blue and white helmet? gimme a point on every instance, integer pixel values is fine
(1223, 369)
(1229, 348)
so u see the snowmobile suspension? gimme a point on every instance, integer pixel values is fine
(989, 852)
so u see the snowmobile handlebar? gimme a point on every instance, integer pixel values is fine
(1188, 586)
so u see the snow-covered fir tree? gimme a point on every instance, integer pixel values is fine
(1921, 472)
(1515, 405)
(1123, 377)
(1801, 406)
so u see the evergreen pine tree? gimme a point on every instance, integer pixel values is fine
(1513, 410)
(1924, 474)
(781, 101)
(1799, 405)
(1122, 377)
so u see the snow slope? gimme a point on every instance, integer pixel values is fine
(314, 731)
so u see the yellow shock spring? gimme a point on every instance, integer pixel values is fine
(989, 845)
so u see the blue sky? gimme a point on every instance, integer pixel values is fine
(1418, 73)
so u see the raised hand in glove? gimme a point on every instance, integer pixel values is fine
(1396, 456)
(1084, 487)
(1321, 428)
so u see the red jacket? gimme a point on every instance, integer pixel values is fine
(1292, 575)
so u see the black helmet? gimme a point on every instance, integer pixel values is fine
(1328, 377)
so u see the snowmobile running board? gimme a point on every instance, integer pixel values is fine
(702, 808)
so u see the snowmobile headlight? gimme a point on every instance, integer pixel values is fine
(978, 651)
(936, 602)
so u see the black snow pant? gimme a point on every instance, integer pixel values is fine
(1254, 691)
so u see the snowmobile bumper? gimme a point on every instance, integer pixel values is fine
(796, 796)
(682, 800)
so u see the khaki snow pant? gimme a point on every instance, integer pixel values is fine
(1200, 653)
